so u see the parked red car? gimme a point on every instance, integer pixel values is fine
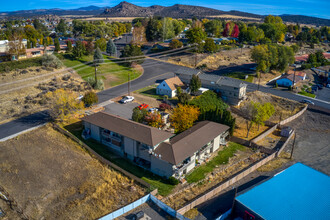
(142, 106)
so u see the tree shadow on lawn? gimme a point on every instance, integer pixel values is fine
(164, 188)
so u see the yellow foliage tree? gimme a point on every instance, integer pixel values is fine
(62, 103)
(183, 117)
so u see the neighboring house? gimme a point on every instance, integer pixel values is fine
(169, 86)
(287, 80)
(301, 75)
(232, 90)
(298, 192)
(154, 149)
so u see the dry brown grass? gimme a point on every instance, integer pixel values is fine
(276, 163)
(61, 180)
(241, 129)
(21, 94)
(229, 17)
(284, 108)
(192, 213)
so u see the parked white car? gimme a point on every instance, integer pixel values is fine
(127, 99)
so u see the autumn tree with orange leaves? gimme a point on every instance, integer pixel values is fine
(183, 117)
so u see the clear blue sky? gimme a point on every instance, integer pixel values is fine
(317, 8)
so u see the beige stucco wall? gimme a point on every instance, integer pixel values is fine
(161, 167)
(95, 132)
(130, 147)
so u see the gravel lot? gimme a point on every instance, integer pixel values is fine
(313, 140)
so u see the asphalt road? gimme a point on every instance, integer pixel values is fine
(23, 123)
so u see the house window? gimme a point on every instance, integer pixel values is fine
(163, 84)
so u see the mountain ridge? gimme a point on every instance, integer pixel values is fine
(126, 9)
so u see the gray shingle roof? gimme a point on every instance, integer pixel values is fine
(187, 71)
(188, 142)
(137, 131)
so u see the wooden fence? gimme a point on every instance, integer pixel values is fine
(218, 188)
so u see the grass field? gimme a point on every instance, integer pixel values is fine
(112, 73)
(222, 158)
(164, 188)
(241, 76)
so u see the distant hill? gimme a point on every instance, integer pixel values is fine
(125, 9)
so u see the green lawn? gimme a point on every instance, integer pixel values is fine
(112, 73)
(241, 76)
(164, 188)
(222, 158)
(307, 94)
(149, 91)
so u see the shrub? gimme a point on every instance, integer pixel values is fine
(90, 98)
(21, 64)
(164, 107)
(99, 85)
(306, 66)
(51, 61)
(173, 181)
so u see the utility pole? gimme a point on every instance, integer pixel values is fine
(128, 84)
(196, 56)
(164, 29)
(258, 80)
(294, 76)
(95, 72)
(294, 142)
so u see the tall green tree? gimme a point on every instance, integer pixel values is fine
(57, 45)
(196, 35)
(195, 84)
(61, 27)
(210, 46)
(78, 50)
(69, 46)
(101, 44)
(98, 57)
(133, 54)
(111, 48)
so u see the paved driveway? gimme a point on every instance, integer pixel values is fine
(122, 110)
(323, 94)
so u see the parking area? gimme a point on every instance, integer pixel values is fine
(122, 110)
(323, 94)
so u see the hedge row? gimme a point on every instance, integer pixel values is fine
(20, 64)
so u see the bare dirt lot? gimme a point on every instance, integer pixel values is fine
(51, 177)
(21, 91)
(214, 61)
(313, 140)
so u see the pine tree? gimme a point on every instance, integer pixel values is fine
(111, 48)
(57, 45)
(98, 57)
(69, 46)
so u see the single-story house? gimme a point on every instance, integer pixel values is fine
(169, 86)
(299, 74)
(287, 80)
(298, 192)
(155, 150)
